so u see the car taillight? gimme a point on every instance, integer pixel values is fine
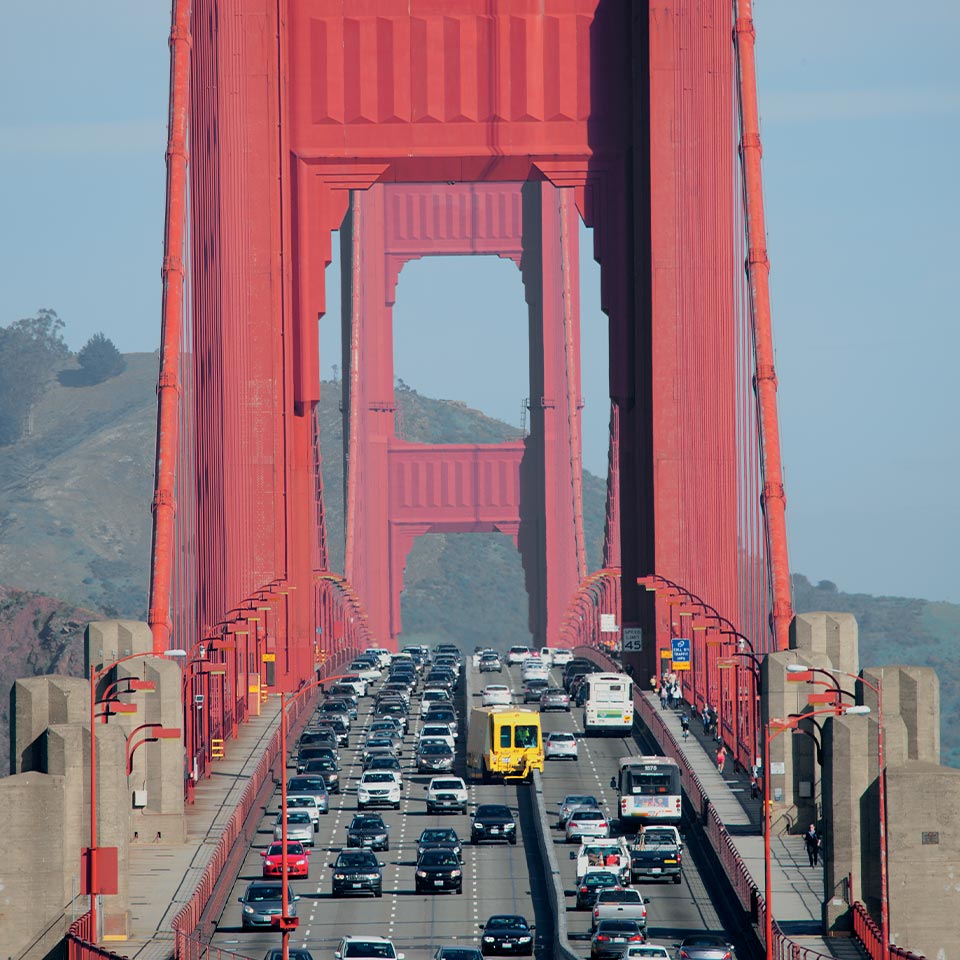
(602, 823)
(602, 937)
(637, 936)
(583, 889)
(684, 955)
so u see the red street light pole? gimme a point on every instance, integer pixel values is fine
(781, 725)
(800, 672)
(92, 855)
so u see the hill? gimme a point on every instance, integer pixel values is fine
(75, 524)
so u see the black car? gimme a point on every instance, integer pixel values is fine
(611, 938)
(593, 882)
(439, 870)
(327, 769)
(444, 838)
(357, 872)
(507, 933)
(493, 821)
(392, 708)
(384, 761)
(340, 726)
(307, 754)
(434, 757)
(442, 677)
(317, 737)
(533, 690)
(368, 830)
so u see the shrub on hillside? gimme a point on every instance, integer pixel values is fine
(100, 359)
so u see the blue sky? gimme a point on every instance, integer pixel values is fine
(861, 131)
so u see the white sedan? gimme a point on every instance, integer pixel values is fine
(559, 745)
(496, 695)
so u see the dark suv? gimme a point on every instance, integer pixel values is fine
(357, 872)
(368, 830)
(493, 821)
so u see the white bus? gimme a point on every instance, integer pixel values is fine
(649, 789)
(608, 707)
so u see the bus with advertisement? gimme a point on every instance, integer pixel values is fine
(648, 791)
(608, 706)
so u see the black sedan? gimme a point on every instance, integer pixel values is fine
(442, 838)
(439, 870)
(533, 690)
(507, 933)
(493, 821)
(327, 769)
(434, 756)
(593, 882)
(368, 830)
(357, 872)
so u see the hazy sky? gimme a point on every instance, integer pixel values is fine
(861, 128)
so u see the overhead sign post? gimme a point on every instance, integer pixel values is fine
(680, 653)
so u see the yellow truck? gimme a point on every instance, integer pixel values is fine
(503, 743)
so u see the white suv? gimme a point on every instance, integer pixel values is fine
(517, 654)
(446, 793)
(378, 787)
(367, 948)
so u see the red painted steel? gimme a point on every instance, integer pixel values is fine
(758, 270)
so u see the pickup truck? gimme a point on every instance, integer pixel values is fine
(657, 854)
(614, 854)
(620, 905)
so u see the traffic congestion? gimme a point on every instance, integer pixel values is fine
(411, 831)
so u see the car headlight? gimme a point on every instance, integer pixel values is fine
(454, 873)
(524, 939)
(510, 826)
(363, 795)
(380, 838)
(488, 939)
(248, 909)
(339, 876)
(371, 876)
(478, 826)
(421, 873)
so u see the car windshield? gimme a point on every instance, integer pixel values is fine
(575, 800)
(259, 894)
(353, 860)
(617, 926)
(435, 748)
(504, 923)
(435, 730)
(369, 949)
(301, 802)
(447, 785)
(276, 849)
(377, 778)
(297, 816)
(599, 879)
(384, 762)
(367, 823)
(439, 858)
(493, 810)
(587, 815)
(305, 785)
(459, 953)
(438, 836)
(565, 737)
(620, 896)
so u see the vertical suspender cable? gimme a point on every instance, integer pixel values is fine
(353, 418)
(758, 267)
(168, 386)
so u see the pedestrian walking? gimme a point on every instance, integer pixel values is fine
(685, 726)
(664, 696)
(705, 718)
(754, 787)
(654, 684)
(812, 842)
(721, 759)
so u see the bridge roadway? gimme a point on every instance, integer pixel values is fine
(497, 878)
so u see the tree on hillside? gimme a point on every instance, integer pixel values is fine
(100, 359)
(30, 351)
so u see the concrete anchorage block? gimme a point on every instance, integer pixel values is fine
(911, 694)
(105, 641)
(35, 703)
(831, 635)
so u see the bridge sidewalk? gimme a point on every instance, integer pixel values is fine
(164, 876)
(797, 887)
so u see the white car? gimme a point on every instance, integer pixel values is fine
(560, 745)
(496, 695)
(378, 788)
(308, 802)
(382, 654)
(446, 793)
(366, 948)
(366, 670)
(438, 731)
(587, 822)
(517, 654)
(356, 681)
(646, 951)
(433, 695)
(560, 657)
(534, 669)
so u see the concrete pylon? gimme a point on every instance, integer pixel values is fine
(37, 702)
(105, 641)
(923, 811)
(832, 635)
(913, 695)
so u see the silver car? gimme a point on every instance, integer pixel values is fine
(587, 822)
(571, 802)
(299, 827)
(554, 698)
(262, 901)
(705, 946)
(620, 905)
(560, 745)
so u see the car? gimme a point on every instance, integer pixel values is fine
(443, 677)
(340, 726)
(446, 794)
(432, 696)
(393, 708)
(261, 902)
(310, 803)
(560, 657)
(366, 948)
(592, 883)
(387, 727)
(443, 713)
(382, 654)
(438, 869)
(299, 827)
(378, 744)
(657, 853)
(611, 938)
(612, 854)
(493, 821)
(441, 730)
(490, 663)
(306, 754)
(336, 708)
(378, 787)
(294, 953)
(646, 951)
(554, 698)
(328, 770)
(298, 860)
(573, 800)
(356, 872)
(385, 761)
(517, 654)
(443, 837)
(534, 669)
(496, 695)
(366, 670)
(317, 737)
(368, 830)
(457, 953)
(560, 745)
(705, 946)
(308, 783)
(434, 756)
(507, 933)
(358, 684)
(620, 904)
(347, 693)
(533, 689)
(586, 822)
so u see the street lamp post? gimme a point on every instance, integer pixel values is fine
(800, 672)
(782, 725)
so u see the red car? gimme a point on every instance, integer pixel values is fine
(298, 860)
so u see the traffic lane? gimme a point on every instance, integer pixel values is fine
(674, 909)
